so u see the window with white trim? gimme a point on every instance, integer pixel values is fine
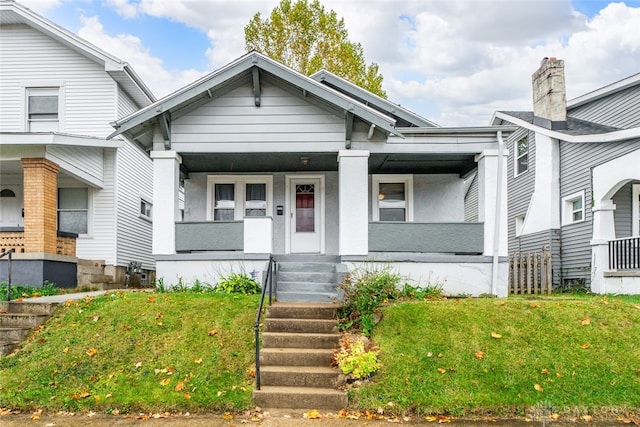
(519, 223)
(146, 209)
(635, 209)
(522, 155)
(73, 210)
(43, 105)
(573, 208)
(233, 197)
(392, 198)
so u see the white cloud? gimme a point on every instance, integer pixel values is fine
(41, 6)
(151, 69)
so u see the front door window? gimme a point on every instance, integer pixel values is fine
(305, 210)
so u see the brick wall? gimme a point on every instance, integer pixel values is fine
(40, 205)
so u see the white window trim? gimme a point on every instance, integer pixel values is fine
(239, 182)
(516, 157)
(519, 224)
(147, 200)
(567, 208)
(635, 210)
(89, 232)
(376, 180)
(42, 84)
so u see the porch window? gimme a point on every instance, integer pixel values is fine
(42, 109)
(519, 224)
(234, 197)
(522, 155)
(573, 208)
(73, 210)
(392, 198)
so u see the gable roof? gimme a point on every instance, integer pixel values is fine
(232, 75)
(12, 13)
(403, 116)
(620, 85)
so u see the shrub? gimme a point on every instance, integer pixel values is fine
(21, 291)
(364, 292)
(240, 283)
(356, 358)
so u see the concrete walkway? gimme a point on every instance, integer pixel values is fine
(62, 298)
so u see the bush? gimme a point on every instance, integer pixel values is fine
(356, 358)
(240, 283)
(20, 291)
(364, 292)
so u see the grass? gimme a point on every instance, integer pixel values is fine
(465, 357)
(129, 352)
(18, 291)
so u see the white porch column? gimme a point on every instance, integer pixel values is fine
(166, 182)
(603, 231)
(489, 195)
(354, 202)
(258, 235)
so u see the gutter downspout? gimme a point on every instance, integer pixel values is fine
(496, 228)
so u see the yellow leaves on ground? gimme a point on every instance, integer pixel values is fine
(187, 396)
(179, 386)
(496, 335)
(227, 416)
(585, 346)
(545, 372)
(198, 361)
(165, 381)
(92, 352)
(538, 388)
(152, 299)
(441, 370)
(479, 354)
(585, 322)
(81, 395)
(213, 332)
(312, 415)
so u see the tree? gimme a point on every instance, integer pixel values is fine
(307, 38)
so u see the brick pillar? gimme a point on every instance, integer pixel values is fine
(40, 205)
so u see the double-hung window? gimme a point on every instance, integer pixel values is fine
(43, 109)
(522, 155)
(73, 210)
(573, 208)
(392, 198)
(234, 197)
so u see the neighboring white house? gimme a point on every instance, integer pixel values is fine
(59, 175)
(574, 181)
(273, 162)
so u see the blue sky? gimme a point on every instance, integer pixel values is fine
(452, 61)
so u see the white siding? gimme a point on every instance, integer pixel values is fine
(135, 173)
(30, 58)
(282, 117)
(86, 162)
(126, 105)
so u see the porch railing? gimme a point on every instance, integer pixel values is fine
(13, 238)
(435, 237)
(624, 254)
(267, 283)
(210, 236)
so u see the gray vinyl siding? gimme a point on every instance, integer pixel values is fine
(623, 213)
(31, 59)
(135, 180)
(576, 162)
(519, 188)
(471, 201)
(281, 117)
(621, 109)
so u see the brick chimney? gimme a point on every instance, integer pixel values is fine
(549, 95)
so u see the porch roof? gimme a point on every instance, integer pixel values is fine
(248, 67)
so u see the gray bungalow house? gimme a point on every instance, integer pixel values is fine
(272, 162)
(574, 181)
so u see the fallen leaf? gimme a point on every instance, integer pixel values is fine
(442, 370)
(91, 352)
(165, 381)
(179, 386)
(545, 372)
(586, 321)
(198, 361)
(554, 416)
(138, 365)
(66, 350)
(152, 299)
(96, 318)
(538, 388)
(585, 346)
(213, 332)
(186, 396)
(496, 335)
(159, 323)
(227, 416)
(587, 418)
(479, 354)
(312, 415)
(159, 316)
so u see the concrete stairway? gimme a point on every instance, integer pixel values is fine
(308, 278)
(91, 273)
(298, 343)
(17, 319)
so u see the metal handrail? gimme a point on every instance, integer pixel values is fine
(268, 281)
(8, 253)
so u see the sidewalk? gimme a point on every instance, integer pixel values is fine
(62, 298)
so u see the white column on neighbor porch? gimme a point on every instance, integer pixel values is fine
(488, 192)
(166, 182)
(603, 231)
(353, 166)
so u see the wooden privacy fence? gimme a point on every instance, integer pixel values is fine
(530, 273)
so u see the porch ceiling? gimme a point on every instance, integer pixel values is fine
(315, 162)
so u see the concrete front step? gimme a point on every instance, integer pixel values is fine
(319, 267)
(288, 340)
(300, 398)
(22, 320)
(307, 296)
(302, 310)
(301, 376)
(320, 357)
(13, 334)
(26, 307)
(318, 287)
(314, 326)
(306, 276)
(307, 258)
